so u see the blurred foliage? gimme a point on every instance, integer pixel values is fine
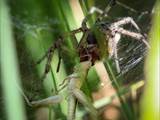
(10, 78)
(151, 99)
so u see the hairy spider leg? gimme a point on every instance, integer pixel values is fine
(59, 61)
(85, 31)
(127, 20)
(49, 59)
(45, 55)
(50, 52)
(124, 21)
(134, 35)
(126, 7)
(113, 40)
(84, 27)
(107, 9)
(83, 41)
(115, 35)
(73, 38)
(109, 6)
(101, 12)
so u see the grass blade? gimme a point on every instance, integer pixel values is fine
(150, 104)
(9, 68)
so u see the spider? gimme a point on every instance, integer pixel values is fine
(113, 34)
(88, 46)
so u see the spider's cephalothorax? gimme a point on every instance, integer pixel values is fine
(91, 50)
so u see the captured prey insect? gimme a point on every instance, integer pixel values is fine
(88, 53)
(74, 84)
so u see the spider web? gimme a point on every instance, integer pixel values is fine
(131, 52)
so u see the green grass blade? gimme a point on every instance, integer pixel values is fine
(128, 114)
(9, 68)
(150, 108)
(86, 6)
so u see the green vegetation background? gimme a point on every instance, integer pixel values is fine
(28, 28)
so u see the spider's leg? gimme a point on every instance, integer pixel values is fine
(83, 39)
(126, 7)
(84, 27)
(57, 44)
(113, 39)
(101, 12)
(59, 61)
(134, 35)
(91, 11)
(95, 9)
(116, 60)
(72, 34)
(112, 46)
(48, 65)
(45, 55)
(41, 59)
(109, 6)
(125, 21)
(74, 39)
